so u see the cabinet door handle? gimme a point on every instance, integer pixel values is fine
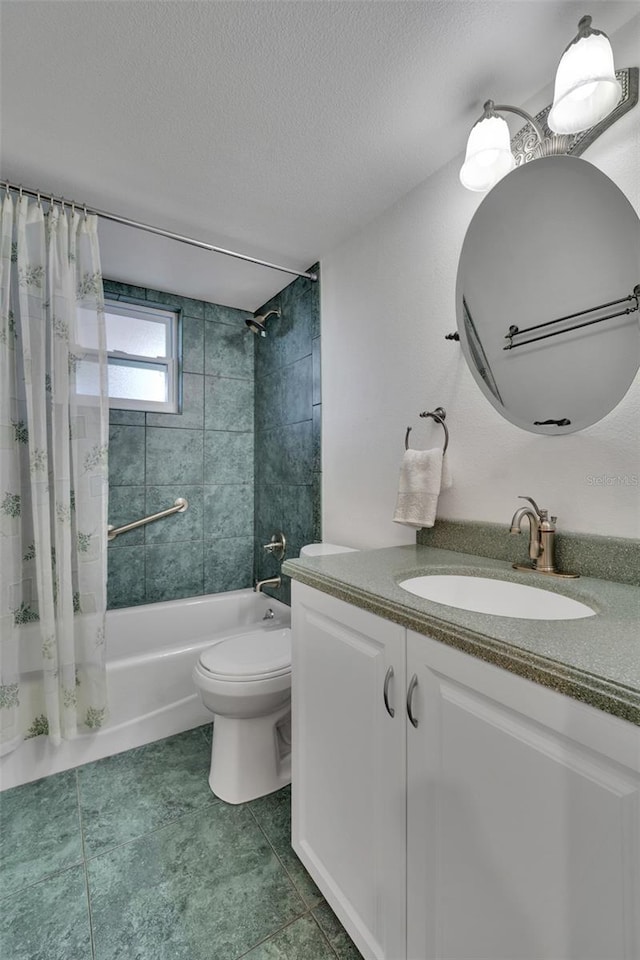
(412, 687)
(387, 680)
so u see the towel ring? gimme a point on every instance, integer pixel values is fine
(438, 415)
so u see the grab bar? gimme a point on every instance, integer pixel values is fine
(179, 507)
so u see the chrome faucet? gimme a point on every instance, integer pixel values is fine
(276, 547)
(270, 582)
(542, 532)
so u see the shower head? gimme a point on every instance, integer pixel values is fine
(258, 325)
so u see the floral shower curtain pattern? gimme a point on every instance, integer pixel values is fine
(53, 474)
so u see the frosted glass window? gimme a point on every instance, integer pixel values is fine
(135, 382)
(146, 338)
(142, 347)
(129, 381)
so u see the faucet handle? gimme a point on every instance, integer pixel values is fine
(542, 514)
(276, 546)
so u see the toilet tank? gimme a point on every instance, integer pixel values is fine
(324, 549)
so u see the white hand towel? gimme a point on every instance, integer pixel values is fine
(447, 478)
(423, 473)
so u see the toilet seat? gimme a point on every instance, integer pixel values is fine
(257, 655)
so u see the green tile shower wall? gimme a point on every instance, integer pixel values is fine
(205, 453)
(287, 427)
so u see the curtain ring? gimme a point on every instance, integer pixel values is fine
(20, 191)
(6, 188)
(73, 208)
(84, 207)
(52, 202)
(38, 196)
(61, 204)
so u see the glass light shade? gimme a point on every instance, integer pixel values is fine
(488, 158)
(586, 88)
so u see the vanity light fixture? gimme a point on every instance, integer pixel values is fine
(586, 88)
(589, 96)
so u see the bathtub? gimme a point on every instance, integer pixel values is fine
(151, 652)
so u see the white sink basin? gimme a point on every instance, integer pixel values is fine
(500, 598)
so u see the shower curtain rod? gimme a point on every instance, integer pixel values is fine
(41, 194)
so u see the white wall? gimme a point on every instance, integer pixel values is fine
(388, 299)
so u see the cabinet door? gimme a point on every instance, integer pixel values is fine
(349, 766)
(523, 818)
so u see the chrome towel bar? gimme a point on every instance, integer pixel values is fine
(179, 507)
(516, 332)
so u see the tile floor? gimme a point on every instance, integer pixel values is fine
(133, 858)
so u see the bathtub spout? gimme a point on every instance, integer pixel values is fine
(271, 582)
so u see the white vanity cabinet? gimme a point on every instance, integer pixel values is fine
(504, 826)
(523, 818)
(349, 765)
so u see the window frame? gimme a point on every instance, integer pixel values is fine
(170, 362)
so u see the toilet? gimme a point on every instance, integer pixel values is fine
(244, 679)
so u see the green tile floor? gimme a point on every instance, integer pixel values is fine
(133, 858)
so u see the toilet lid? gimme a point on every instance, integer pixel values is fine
(255, 655)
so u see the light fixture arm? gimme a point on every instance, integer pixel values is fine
(491, 109)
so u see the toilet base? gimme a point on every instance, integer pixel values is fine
(249, 756)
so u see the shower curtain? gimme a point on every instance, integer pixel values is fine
(53, 474)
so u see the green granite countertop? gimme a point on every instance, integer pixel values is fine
(595, 659)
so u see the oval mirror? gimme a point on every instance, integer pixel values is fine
(547, 295)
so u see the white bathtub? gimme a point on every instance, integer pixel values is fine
(151, 652)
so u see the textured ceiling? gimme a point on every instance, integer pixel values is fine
(274, 128)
